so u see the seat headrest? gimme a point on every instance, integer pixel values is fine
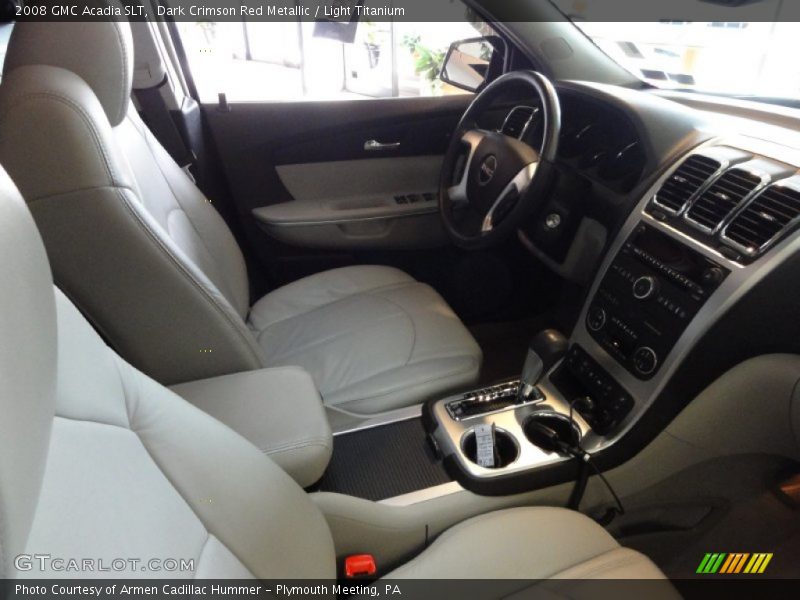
(28, 351)
(100, 53)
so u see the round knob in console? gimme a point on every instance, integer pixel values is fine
(645, 360)
(595, 318)
(713, 276)
(645, 287)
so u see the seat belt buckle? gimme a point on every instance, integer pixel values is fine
(185, 168)
(359, 565)
(187, 163)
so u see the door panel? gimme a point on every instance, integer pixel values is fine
(368, 176)
(368, 204)
(253, 138)
(312, 156)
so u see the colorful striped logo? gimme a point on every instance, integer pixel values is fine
(734, 563)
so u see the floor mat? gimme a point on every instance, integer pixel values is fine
(383, 462)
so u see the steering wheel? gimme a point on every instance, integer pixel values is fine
(490, 182)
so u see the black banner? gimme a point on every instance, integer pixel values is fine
(405, 589)
(404, 10)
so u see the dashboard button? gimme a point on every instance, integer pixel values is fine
(645, 287)
(596, 319)
(645, 360)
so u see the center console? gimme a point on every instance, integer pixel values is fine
(712, 227)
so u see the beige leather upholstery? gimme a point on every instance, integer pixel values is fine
(372, 337)
(279, 410)
(135, 471)
(140, 250)
(110, 78)
(528, 543)
(99, 461)
(27, 370)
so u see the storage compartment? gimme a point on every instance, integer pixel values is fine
(383, 462)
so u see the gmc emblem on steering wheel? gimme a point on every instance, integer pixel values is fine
(487, 169)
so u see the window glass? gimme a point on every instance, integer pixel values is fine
(724, 57)
(262, 61)
(5, 34)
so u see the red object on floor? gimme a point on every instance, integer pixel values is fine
(359, 565)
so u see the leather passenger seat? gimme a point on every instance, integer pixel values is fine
(98, 460)
(141, 251)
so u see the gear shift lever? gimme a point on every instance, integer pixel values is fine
(531, 372)
(545, 349)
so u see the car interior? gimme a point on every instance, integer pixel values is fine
(543, 329)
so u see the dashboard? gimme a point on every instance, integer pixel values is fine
(701, 252)
(597, 141)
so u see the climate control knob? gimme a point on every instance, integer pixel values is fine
(596, 318)
(645, 360)
(645, 287)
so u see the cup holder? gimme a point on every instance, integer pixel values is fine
(506, 449)
(540, 429)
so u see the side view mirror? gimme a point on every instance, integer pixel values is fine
(470, 63)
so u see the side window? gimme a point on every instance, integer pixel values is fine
(5, 34)
(269, 61)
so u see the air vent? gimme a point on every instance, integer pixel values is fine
(685, 181)
(770, 214)
(718, 201)
(517, 121)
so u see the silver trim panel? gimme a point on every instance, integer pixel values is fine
(740, 281)
(450, 432)
(394, 416)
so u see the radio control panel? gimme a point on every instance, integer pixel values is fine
(648, 296)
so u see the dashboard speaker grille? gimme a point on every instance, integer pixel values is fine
(718, 201)
(685, 181)
(762, 221)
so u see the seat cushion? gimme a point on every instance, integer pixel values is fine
(528, 543)
(372, 337)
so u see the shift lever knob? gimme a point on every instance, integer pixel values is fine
(545, 350)
(531, 372)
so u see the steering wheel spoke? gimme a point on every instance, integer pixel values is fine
(506, 200)
(458, 191)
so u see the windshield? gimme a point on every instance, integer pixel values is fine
(737, 58)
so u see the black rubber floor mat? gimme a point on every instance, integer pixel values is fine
(382, 462)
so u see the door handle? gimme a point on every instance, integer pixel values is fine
(373, 145)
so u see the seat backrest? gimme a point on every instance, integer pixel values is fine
(98, 460)
(131, 239)
(27, 370)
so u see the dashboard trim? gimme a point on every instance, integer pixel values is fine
(741, 280)
(764, 181)
(725, 164)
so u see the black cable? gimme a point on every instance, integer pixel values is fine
(579, 488)
(578, 491)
